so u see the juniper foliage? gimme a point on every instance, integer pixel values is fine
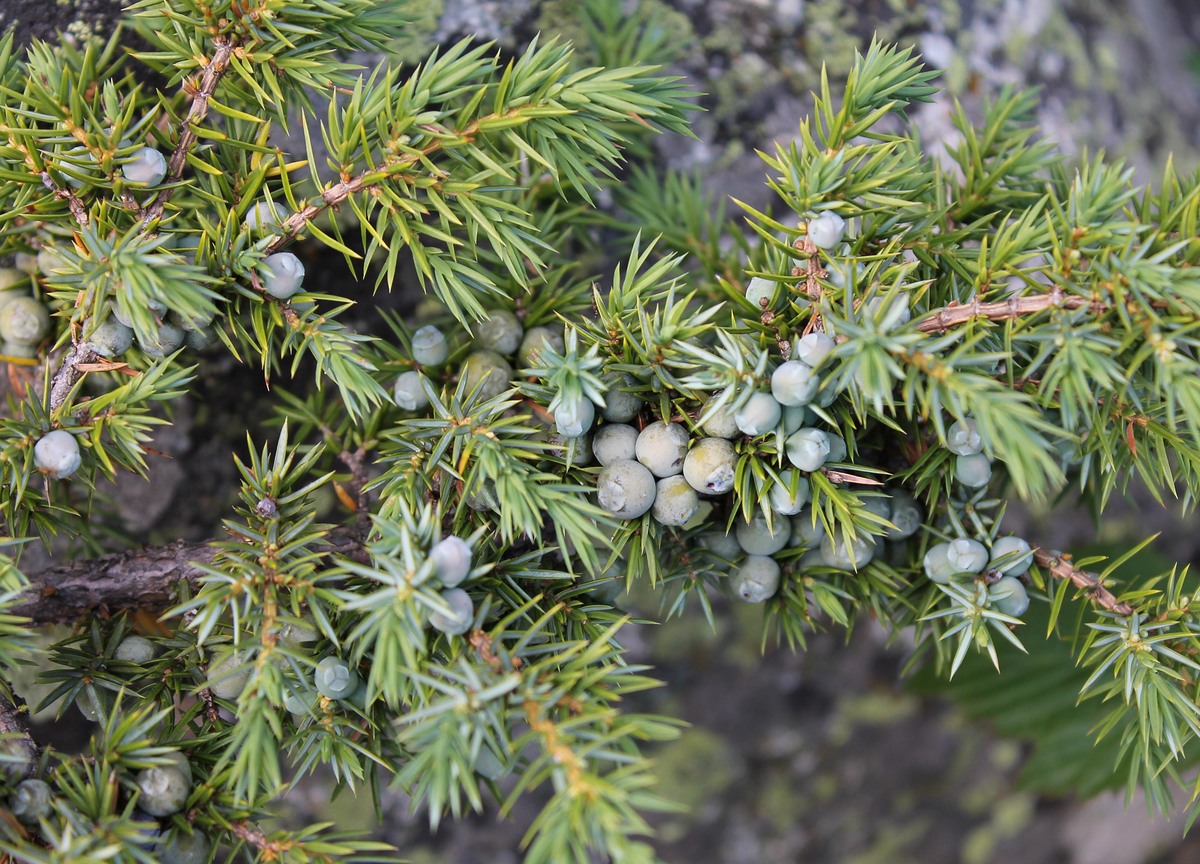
(1052, 306)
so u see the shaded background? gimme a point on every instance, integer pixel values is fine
(825, 756)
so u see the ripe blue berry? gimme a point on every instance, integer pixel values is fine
(335, 678)
(181, 848)
(675, 501)
(757, 579)
(409, 393)
(488, 371)
(31, 801)
(794, 383)
(135, 649)
(56, 454)
(837, 449)
(805, 531)
(1011, 556)
(626, 489)
(760, 415)
(451, 557)
(167, 339)
(164, 789)
(1009, 596)
(937, 563)
(783, 500)
(429, 346)
(111, 338)
(757, 538)
(710, 466)
(284, 275)
(24, 319)
(500, 332)
(973, 471)
(906, 516)
(620, 405)
(808, 448)
(722, 545)
(662, 447)
(813, 348)
(826, 230)
(462, 613)
(962, 438)
(614, 442)
(148, 167)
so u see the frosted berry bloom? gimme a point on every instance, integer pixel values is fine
(285, 275)
(148, 167)
(56, 454)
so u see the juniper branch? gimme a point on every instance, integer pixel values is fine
(1060, 568)
(999, 310)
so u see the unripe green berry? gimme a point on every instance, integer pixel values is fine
(500, 332)
(757, 579)
(826, 230)
(24, 319)
(14, 280)
(227, 676)
(164, 790)
(284, 275)
(808, 448)
(662, 447)
(760, 415)
(31, 801)
(757, 538)
(762, 293)
(488, 765)
(295, 633)
(535, 340)
(783, 500)
(794, 384)
(17, 756)
(620, 405)
(93, 703)
(56, 454)
(300, 702)
(710, 466)
(147, 167)
(718, 422)
(49, 262)
(675, 501)
(626, 489)
(1011, 556)
(973, 471)
(135, 649)
(335, 678)
(429, 346)
(177, 760)
(813, 348)
(1009, 596)
(488, 371)
(614, 442)
(409, 392)
(578, 449)
(451, 557)
(461, 616)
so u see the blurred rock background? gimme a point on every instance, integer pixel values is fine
(822, 756)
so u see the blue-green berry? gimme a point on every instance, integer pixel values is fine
(813, 348)
(181, 848)
(451, 557)
(795, 417)
(806, 531)
(837, 449)
(461, 613)
(24, 319)
(500, 332)
(826, 230)
(1009, 597)
(409, 392)
(335, 678)
(575, 417)
(148, 167)
(284, 275)
(762, 293)
(534, 342)
(93, 703)
(808, 448)
(717, 421)
(264, 216)
(906, 516)
(56, 454)
(966, 555)
(488, 371)
(794, 383)
(783, 500)
(725, 546)
(855, 555)
(662, 447)
(1011, 556)
(614, 442)
(164, 789)
(973, 471)
(429, 346)
(135, 649)
(31, 801)
(626, 489)
(675, 501)
(620, 405)
(228, 675)
(488, 765)
(937, 563)
(166, 340)
(756, 537)
(890, 312)
(111, 338)
(759, 415)
(757, 579)
(300, 702)
(963, 439)
(710, 466)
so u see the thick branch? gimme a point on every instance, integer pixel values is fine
(953, 315)
(1089, 583)
(69, 372)
(187, 130)
(145, 579)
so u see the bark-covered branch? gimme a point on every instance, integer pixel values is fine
(1060, 568)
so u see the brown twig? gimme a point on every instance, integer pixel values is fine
(953, 315)
(1060, 568)
(80, 355)
(203, 91)
(73, 203)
